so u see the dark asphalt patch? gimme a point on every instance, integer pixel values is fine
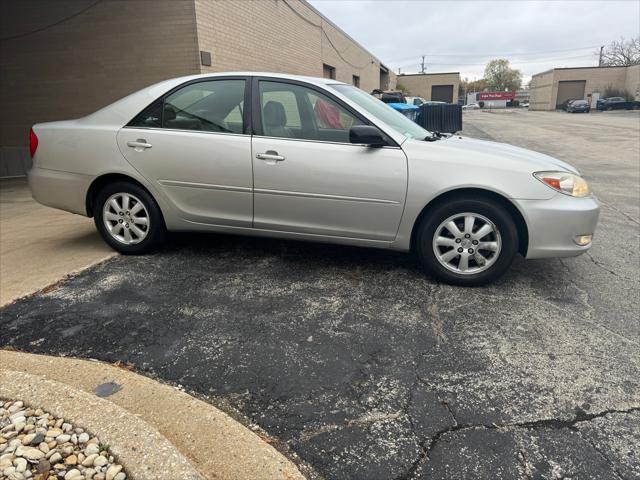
(363, 365)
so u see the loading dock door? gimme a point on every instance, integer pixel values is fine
(442, 93)
(570, 89)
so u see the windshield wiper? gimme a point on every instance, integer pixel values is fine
(434, 137)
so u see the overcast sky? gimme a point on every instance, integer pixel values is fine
(463, 35)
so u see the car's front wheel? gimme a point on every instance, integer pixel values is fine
(467, 242)
(128, 218)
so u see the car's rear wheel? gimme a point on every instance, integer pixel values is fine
(467, 242)
(128, 218)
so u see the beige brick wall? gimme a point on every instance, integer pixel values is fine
(544, 86)
(88, 61)
(541, 91)
(632, 83)
(115, 47)
(268, 35)
(420, 85)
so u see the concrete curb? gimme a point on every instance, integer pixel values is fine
(215, 444)
(144, 453)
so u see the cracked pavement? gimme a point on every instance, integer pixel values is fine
(366, 368)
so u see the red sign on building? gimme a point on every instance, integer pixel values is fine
(497, 96)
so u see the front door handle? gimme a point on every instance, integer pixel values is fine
(270, 156)
(140, 144)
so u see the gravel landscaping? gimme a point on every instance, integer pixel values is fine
(37, 445)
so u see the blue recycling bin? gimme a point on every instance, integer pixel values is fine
(409, 111)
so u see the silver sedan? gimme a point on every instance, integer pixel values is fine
(307, 159)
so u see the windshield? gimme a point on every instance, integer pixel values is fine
(381, 110)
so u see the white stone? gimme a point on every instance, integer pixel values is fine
(73, 474)
(100, 461)
(29, 453)
(63, 438)
(83, 437)
(55, 458)
(120, 476)
(112, 471)
(87, 462)
(91, 449)
(20, 464)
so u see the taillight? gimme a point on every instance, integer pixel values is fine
(33, 142)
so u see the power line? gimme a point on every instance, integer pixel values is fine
(513, 62)
(359, 67)
(494, 54)
(46, 27)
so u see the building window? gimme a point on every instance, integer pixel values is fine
(328, 71)
(356, 81)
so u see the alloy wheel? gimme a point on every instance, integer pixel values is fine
(467, 243)
(126, 218)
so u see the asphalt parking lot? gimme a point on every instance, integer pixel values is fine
(368, 369)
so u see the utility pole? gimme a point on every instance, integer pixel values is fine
(422, 65)
(600, 58)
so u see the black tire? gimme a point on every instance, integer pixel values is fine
(489, 209)
(156, 230)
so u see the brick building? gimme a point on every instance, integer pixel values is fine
(442, 87)
(551, 88)
(67, 58)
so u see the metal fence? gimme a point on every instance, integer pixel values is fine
(443, 118)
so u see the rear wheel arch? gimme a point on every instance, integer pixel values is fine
(102, 181)
(474, 193)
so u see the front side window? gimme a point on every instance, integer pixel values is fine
(211, 106)
(294, 111)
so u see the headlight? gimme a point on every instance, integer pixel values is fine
(565, 182)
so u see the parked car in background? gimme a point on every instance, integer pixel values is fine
(524, 105)
(417, 101)
(564, 105)
(314, 159)
(579, 106)
(471, 106)
(393, 97)
(617, 103)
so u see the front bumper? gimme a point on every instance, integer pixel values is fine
(63, 190)
(554, 224)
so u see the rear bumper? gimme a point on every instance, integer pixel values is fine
(555, 223)
(63, 190)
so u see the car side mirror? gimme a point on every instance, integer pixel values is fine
(366, 135)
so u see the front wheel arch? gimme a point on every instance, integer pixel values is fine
(472, 193)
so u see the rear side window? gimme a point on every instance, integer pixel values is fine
(211, 106)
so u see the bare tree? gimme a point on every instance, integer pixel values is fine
(622, 53)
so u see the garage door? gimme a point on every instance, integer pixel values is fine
(442, 93)
(570, 90)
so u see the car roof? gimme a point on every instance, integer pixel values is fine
(286, 76)
(123, 110)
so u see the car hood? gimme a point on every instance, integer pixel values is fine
(476, 151)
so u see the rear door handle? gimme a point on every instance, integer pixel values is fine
(140, 144)
(270, 156)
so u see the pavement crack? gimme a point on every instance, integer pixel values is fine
(602, 266)
(428, 444)
(613, 467)
(629, 217)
